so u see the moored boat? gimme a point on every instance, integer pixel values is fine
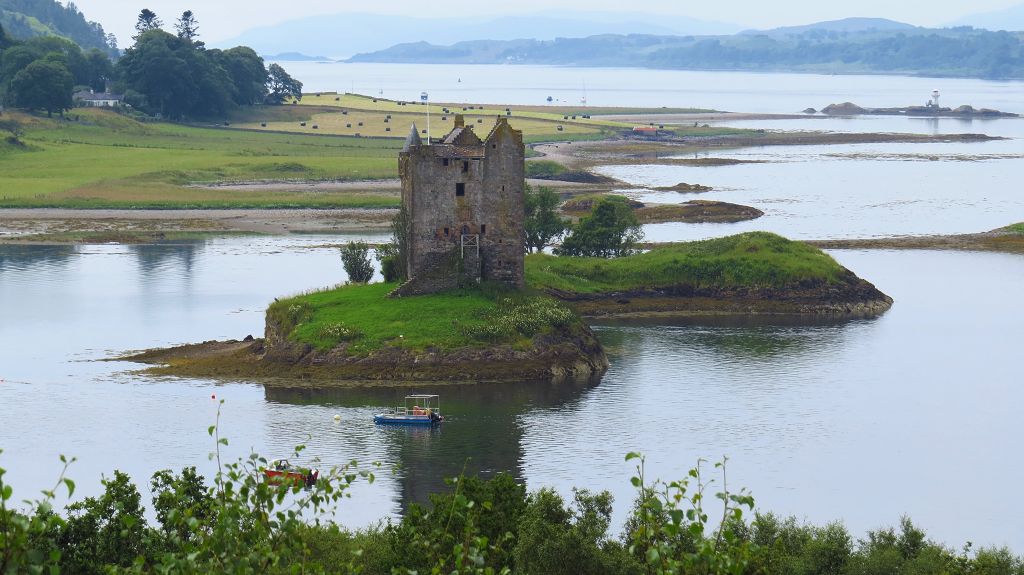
(281, 471)
(419, 409)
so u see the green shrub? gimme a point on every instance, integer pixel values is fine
(355, 257)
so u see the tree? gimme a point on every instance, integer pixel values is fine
(355, 257)
(247, 72)
(282, 86)
(43, 85)
(156, 68)
(108, 530)
(148, 20)
(542, 222)
(177, 78)
(100, 69)
(15, 59)
(611, 230)
(187, 26)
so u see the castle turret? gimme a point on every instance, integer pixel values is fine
(413, 140)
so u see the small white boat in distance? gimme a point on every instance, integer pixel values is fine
(419, 409)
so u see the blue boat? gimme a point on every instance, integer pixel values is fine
(419, 409)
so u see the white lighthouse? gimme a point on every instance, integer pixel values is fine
(934, 103)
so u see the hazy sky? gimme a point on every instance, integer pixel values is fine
(223, 19)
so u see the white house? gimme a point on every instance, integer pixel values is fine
(91, 99)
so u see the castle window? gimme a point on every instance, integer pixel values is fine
(444, 162)
(494, 146)
(446, 231)
(465, 166)
(483, 229)
(460, 190)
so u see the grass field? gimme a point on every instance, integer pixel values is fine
(754, 259)
(104, 160)
(365, 316)
(1014, 228)
(349, 115)
(553, 111)
(99, 159)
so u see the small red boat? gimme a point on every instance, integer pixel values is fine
(281, 471)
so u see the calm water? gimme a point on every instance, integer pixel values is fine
(859, 420)
(849, 191)
(733, 91)
(914, 412)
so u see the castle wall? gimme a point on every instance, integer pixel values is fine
(504, 175)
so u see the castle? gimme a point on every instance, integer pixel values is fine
(463, 198)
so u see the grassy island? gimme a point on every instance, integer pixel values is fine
(755, 272)
(358, 333)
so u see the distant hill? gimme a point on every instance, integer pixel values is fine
(959, 52)
(1010, 19)
(28, 18)
(294, 57)
(844, 25)
(342, 35)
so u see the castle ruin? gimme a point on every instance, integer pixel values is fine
(463, 198)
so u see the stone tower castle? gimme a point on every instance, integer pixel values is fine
(464, 200)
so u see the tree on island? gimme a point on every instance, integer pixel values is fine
(542, 223)
(282, 86)
(148, 20)
(187, 26)
(611, 230)
(355, 257)
(43, 84)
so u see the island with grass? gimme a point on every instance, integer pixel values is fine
(357, 334)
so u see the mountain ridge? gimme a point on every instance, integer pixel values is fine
(902, 49)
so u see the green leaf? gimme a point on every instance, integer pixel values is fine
(71, 486)
(211, 429)
(633, 455)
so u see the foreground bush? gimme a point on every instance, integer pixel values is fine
(241, 524)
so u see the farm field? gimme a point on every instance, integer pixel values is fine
(103, 160)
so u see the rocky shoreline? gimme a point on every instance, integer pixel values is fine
(851, 297)
(561, 355)
(851, 109)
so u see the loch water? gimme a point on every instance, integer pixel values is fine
(858, 420)
(914, 412)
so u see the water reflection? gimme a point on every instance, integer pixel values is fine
(159, 259)
(15, 258)
(481, 435)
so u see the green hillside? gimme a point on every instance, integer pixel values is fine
(28, 18)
